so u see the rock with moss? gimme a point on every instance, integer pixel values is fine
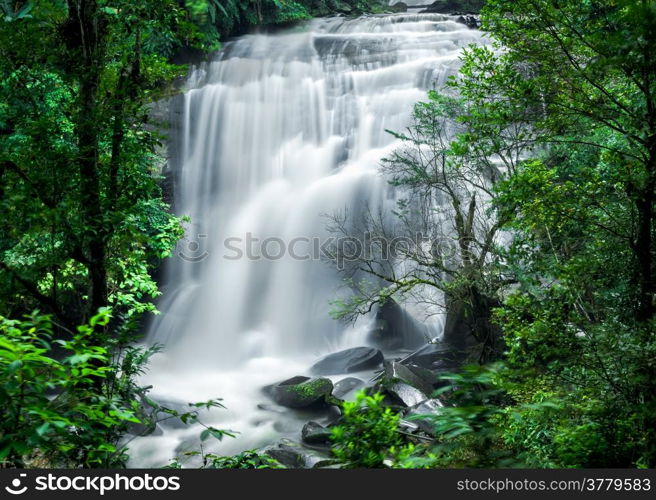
(303, 392)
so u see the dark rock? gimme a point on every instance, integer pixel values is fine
(469, 320)
(397, 372)
(302, 392)
(170, 422)
(348, 361)
(403, 385)
(140, 429)
(409, 427)
(428, 407)
(394, 328)
(405, 394)
(399, 7)
(314, 433)
(429, 377)
(435, 356)
(346, 385)
(470, 21)
(295, 456)
(454, 7)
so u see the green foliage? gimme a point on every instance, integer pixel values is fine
(573, 89)
(55, 414)
(367, 435)
(84, 224)
(229, 17)
(290, 11)
(68, 224)
(249, 459)
(68, 403)
(466, 434)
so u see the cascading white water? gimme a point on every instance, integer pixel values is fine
(280, 130)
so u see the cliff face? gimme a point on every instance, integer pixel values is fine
(453, 6)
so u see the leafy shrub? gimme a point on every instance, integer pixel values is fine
(368, 434)
(249, 459)
(58, 409)
(466, 434)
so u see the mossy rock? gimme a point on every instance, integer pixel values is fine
(303, 392)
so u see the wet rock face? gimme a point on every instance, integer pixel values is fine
(472, 22)
(405, 394)
(315, 434)
(454, 7)
(301, 392)
(346, 385)
(348, 361)
(428, 407)
(410, 375)
(294, 456)
(406, 385)
(438, 357)
(395, 328)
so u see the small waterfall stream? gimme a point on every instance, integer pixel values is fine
(279, 130)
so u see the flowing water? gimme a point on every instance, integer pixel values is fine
(278, 131)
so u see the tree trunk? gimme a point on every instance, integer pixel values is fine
(644, 247)
(85, 16)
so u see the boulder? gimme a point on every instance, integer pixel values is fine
(428, 407)
(403, 385)
(434, 357)
(294, 456)
(140, 429)
(348, 361)
(155, 407)
(394, 328)
(454, 7)
(302, 392)
(429, 377)
(408, 427)
(467, 320)
(314, 433)
(399, 7)
(397, 372)
(405, 394)
(470, 21)
(346, 385)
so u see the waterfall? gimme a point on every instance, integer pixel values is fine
(277, 131)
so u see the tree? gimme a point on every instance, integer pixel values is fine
(85, 220)
(453, 155)
(579, 322)
(592, 71)
(567, 93)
